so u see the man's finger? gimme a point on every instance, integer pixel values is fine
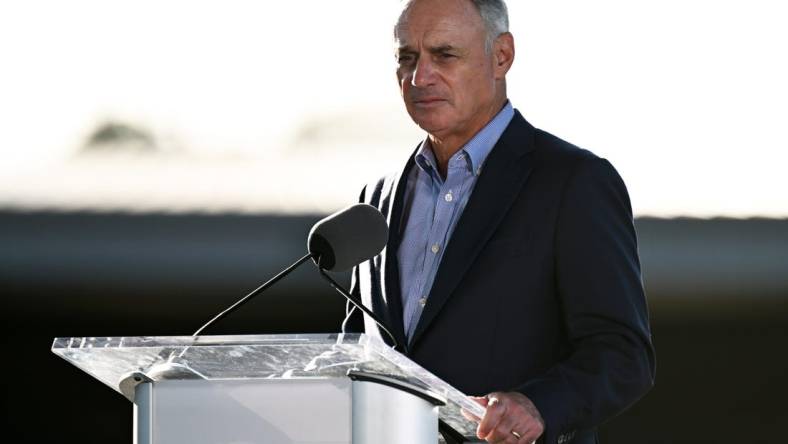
(480, 399)
(495, 412)
(529, 431)
(503, 431)
(470, 416)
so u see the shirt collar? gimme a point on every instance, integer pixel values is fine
(476, 150)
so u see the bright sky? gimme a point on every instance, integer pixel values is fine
(292, 106)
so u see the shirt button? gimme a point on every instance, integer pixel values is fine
(436, 248)
(448, 197)
(422, 302)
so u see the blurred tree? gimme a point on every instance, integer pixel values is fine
(118, 136)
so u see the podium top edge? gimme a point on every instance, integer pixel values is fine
(61, 343)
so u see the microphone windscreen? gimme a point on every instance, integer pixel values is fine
(348, 237)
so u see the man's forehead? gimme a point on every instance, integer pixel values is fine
(432, 37)
(439, 33)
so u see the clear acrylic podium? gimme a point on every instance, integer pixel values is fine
(332, 388)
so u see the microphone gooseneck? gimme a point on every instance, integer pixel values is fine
(359, 304)
(254, 293)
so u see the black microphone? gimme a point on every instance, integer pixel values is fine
(348, 237)
(338, 242)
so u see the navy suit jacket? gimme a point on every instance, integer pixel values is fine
(539, 289)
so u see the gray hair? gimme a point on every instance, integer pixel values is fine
(496, 18)
(494, 13)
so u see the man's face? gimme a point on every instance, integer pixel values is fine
(446, 77)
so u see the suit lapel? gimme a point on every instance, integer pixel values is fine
(503, 175)
(391, 284)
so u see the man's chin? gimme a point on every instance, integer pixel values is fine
(430, 123)
(432, 128)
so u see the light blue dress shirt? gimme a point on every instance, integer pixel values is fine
(432, 207)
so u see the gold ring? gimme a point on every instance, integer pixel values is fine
(516, 435)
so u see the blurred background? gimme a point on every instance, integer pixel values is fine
(159, 159)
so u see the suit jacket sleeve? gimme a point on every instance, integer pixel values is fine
(611, 360)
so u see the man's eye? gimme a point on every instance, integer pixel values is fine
(405, 58)
(445, 55)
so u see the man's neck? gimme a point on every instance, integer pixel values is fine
(445, 147)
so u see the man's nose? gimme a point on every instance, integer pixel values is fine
(423, 74)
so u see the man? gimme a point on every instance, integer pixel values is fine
(511, 268)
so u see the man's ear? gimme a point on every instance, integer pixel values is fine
(503, 53)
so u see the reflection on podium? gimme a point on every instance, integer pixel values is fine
(336, 388)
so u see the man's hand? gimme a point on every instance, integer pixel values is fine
(510, 418)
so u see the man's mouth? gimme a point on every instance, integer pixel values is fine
(428, 102)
